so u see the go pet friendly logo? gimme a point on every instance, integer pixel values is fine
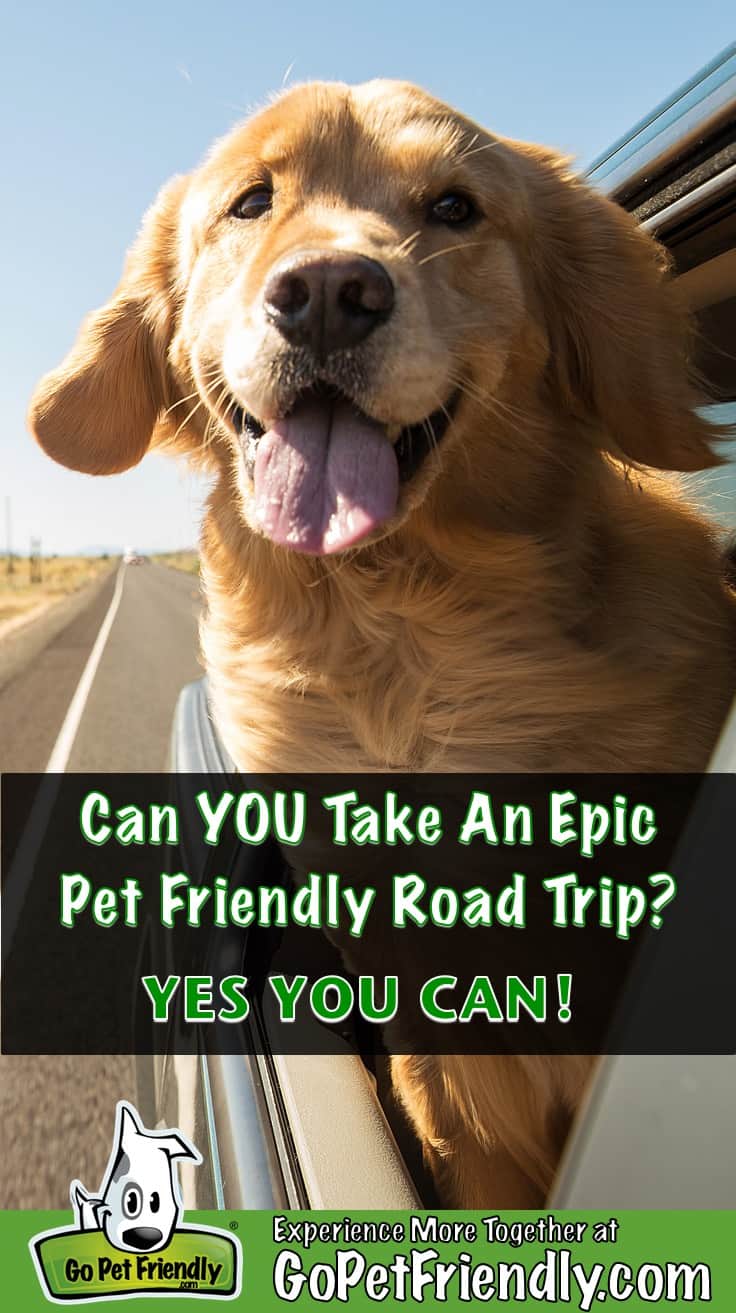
(128, 1239)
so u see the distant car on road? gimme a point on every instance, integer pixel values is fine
(132, 557)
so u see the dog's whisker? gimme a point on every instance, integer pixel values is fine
(488, 145)
(441, 406)
(181, 402)
(428, 427)
(447, 250)
(407, 246)
(190, 396)
(493, 406)
(499, 412)
(460, 379)
(469, 146)
(216, 380)
(217, 416)
(329, 571)
(188, 419)
(463, 450)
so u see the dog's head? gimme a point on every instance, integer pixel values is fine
(141, 1203)
(353, 282)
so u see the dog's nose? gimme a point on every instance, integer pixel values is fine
(142, 1237)
(327, 302)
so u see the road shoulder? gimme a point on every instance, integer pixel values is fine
(20, 644)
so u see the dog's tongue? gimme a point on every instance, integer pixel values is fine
(325, 477)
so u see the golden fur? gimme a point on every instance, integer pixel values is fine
(538, 602)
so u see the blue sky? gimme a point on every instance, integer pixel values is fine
(106, 102)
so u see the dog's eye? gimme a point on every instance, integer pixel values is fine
(132, 1200)
(155, 1202)
(453, 208)
(253, 203)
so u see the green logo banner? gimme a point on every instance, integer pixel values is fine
(75, 1266)
(361, 1261)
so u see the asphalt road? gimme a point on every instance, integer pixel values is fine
(56, 1114)
(150, 653)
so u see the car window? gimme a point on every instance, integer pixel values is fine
(706, 260)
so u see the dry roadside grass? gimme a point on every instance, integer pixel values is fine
(186, 561)
(60, 575)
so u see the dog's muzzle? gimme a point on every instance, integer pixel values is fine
(326, 475)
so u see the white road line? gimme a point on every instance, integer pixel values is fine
(16, 880)
(65, 742)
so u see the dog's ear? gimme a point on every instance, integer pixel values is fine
(98, 410)
(618, 335)
(129, 1127)
(177, 1146)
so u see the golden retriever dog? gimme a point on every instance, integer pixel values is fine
(436, 377)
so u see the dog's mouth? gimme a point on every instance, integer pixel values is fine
(326, 475)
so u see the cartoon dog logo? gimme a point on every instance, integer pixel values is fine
(139, 1203)
(138, 1210)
